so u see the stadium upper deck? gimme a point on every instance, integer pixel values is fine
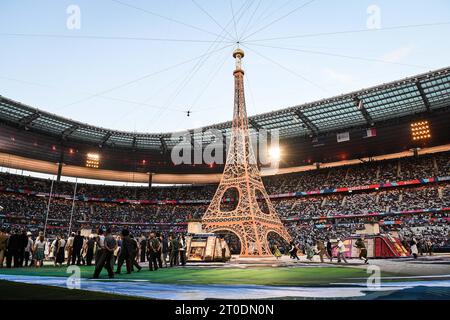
(307, 132)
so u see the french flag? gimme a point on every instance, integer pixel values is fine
(372, 132)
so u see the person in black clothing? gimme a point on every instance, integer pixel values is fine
(362, 249)
(143, 244)
(330, 250)
(23, 242)
(182, 249)
(124, 254)
(164, 249)
(159, 253)
(133, 254)
(90, 250)
(127, 253)
(77, 246)
(12, 254)
(293, 251)
(105, 255)
(153, 246)
(174, 246)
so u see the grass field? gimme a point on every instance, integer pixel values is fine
(23, 291)
(308, 276)
(180, 283)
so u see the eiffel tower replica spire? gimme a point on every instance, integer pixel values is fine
(254, 217)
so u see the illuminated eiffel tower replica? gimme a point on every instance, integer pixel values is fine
(254, 216)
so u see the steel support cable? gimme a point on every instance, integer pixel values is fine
(208, 83)
(194, 70)
(342, 56)
(319, 34)
(241, 14)
(157, 92)
(138, 79)
(288, 69)
(264, 16)
(234, 19)
(101, 96)
(169, 19)
(280, 18)
(250, 20)
(200, 63)
(212, 18)
(184, 83)
(93, 37)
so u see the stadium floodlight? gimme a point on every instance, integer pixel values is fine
(420, 130)
(275, 154)
(92, 160)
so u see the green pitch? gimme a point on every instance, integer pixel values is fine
(295, 276)
(23, 291)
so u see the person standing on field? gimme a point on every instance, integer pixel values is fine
(28, 257)
(174, 246)
(330, 250)
(3, 245)
(153, 246)
(39, 250)
(322, 250)
(341, 251)
(105, 256)
(362, 249)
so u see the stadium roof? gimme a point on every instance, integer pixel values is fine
(426, 92)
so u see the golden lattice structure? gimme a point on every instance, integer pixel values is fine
(254, 217)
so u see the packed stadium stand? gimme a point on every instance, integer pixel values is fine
(419, 207)
(325, 187)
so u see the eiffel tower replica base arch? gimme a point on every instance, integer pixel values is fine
(254, 217)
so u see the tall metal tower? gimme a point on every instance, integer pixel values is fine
(254, 216)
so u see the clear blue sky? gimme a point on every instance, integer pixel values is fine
(72, 75)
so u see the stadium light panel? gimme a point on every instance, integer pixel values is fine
(420, 130)
(92, 160)
(275, 154)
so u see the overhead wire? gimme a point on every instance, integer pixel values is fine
(263, 15)
(208, 84)
(168, 18)
(319, 34)
(199, 64)
(280, 18)
(341, 56)
(191, 73)
(289, 70)
(94, 37)
(234, 19)
(53, 87)
(125, 84)
(240, 14)
(250, 20)
(158, 91)
(211, 17)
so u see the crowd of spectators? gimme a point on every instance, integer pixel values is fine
(22, 211)
(434, 228)
(302, 215)
(366, 173)
(424, 166)
(360, 203)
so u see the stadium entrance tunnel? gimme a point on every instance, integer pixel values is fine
(231, 238)
(276, 241)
